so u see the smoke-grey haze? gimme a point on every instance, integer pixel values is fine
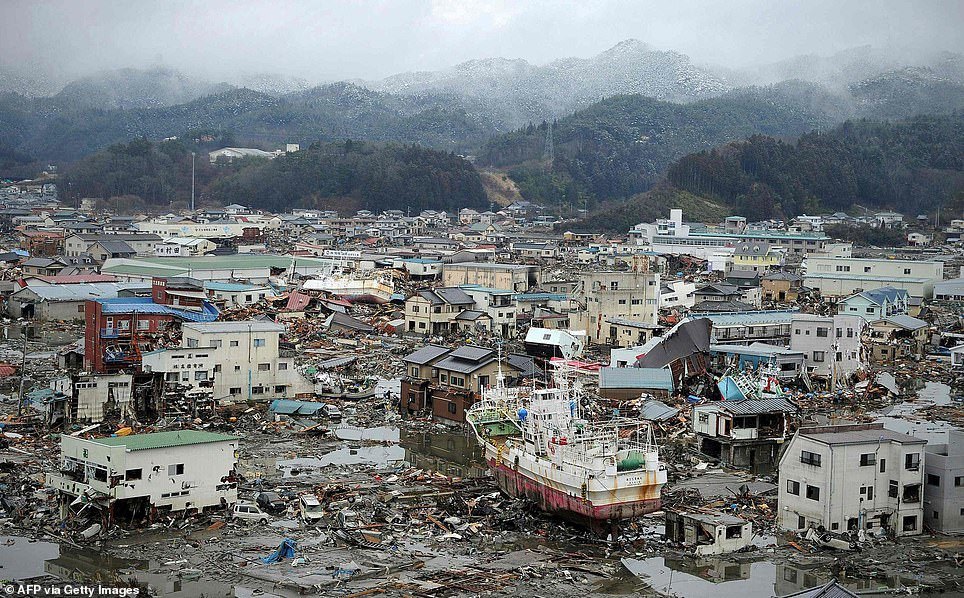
(329, 40)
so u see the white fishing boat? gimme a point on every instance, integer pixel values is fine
(539, 447)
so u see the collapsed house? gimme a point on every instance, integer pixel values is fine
(708, 533)
(745, 433)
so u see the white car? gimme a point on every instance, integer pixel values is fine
(311, 510)
(248, 511)
(331, 411)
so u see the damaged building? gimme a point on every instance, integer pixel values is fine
(708, 533)
(746, 433)
(143, 474)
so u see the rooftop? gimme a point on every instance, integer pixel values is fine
(141, 442)
(228, 327)
(857, 434)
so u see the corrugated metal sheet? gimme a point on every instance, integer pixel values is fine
(751, 406)
(636, 378)
(141, 442)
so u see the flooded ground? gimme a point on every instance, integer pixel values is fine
(901, 417)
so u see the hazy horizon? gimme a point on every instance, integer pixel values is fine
(373, 39)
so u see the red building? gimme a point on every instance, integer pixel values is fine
(120, 330)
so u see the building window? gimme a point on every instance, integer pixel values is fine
(933, 480)
(259, 342)
(868, 459)
(819, 356)
(282, 365)
(132, 474)
(893, 489)
(233, 343)
(200, 376)
(235, 391)
(280, 390)
(883, 465)
(177, 469)
(959, 481)
(257, 390)
(906, 270)
(793, 487)
(264, 367)
(810, 458)
(813, 492)
(822, 332)
(216, 344)
(912, 461)
(704, 418)
(237, 368)
(191, 343)
(910, 523)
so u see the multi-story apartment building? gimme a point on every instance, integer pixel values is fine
(852, 477)
(944, 485)
(840, 276)
(673, 236)
(743, 328)
(831, 344)
(518, 277)
(81, 243)
(119, 331)
(606, 295)
(237, 361)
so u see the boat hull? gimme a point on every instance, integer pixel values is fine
(517, 484)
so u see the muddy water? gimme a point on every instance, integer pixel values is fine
(48, 563)
(714, 577)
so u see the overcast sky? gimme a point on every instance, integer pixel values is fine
(335, 39)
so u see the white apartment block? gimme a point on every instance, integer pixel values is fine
(842, 277)
(177, 470)
(852, 477)
(831, 345)
(238, 361)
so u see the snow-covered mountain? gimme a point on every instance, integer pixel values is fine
(135, 88)
(522, 91)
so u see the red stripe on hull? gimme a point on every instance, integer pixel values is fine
(550, 499)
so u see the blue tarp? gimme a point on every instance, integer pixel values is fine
(285, 551)
(729, 389)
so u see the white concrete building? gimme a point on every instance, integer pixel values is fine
(606, 295)
(237, 294)
(852, 477)
(677, 293)
(183, 247)
(841, 277)
(239, 361)
(177, 470)
(944, 485)
(831, 345)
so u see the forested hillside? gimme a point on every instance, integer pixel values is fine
(620, 146)
(910, 166)
(56, 129)
(347, 175)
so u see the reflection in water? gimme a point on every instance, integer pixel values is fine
(453, 454)
(705, 578)
(377, 456)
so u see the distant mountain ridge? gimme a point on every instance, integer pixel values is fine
(523, 92)
(135, 88)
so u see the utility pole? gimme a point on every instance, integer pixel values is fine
(192, 181)
(23, 372)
